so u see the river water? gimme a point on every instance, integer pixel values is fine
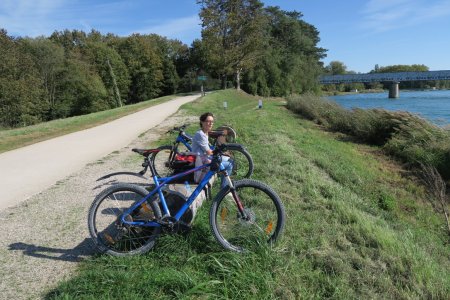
(432, 105)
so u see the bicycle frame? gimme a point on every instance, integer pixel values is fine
(163, 181)
(182, 139)
(186, 141)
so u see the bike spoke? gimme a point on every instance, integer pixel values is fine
(260, 222)
(107, 228)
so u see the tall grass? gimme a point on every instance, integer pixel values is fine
(402, 134)
(355, 228)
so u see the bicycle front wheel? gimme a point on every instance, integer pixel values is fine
(108, 232)
(262, 221)
(242, 162)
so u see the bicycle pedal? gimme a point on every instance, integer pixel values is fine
(109, 238)
(182, 228)
(167, 221)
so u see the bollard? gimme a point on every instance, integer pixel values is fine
(225, 105)
(259, 104)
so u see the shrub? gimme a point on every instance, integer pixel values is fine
(326, 113)
(401, 134)
(418, 141)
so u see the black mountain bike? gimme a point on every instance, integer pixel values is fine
(162, 158)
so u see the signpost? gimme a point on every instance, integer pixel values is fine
(202, 78)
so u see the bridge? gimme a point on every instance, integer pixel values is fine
(394, 78)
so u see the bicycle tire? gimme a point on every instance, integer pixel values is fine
(161, 161)
(265, 211)
(106, 232)
(231, 135)
(242, 162)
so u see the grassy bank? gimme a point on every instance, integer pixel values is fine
(20, 137)
(356, 228)
(364, 91)
(407, 137)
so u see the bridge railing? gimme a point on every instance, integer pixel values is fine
(383, 77)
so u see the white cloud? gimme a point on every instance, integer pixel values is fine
(385, 15)
(27, 17)
(42, 17)
(374, 6)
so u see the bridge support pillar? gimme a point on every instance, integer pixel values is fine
(393, 90)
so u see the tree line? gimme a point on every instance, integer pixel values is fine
(72, 73)
(263, 50)
(338, 68)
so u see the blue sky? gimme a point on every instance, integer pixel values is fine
(359, 33)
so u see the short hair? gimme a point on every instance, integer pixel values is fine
(204, 116)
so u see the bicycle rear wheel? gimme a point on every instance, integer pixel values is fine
(161, 160)
(230, 136)
(105, 226)
(242, 162)
(263, 221)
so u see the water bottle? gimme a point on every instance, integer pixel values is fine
(188, 188)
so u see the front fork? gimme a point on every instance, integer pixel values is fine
(235, 195)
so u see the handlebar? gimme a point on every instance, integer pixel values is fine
(178, 129)
(220, 149)
(213, 134)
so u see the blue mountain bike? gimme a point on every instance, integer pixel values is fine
(163, 159)
(126, 219)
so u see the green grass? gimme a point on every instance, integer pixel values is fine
(20, 137)
(355, 229)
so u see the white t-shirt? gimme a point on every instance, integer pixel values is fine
(200, 143)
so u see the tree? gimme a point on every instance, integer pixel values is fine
(70, 40)
(231, 32)
(290, 64)
(112, 70)
(336, 68)
(50, 61)
(170, 52)
(144, 64)
(406, 68)
(81, 88)
(194, 63)
(403, 68)
(20, 87)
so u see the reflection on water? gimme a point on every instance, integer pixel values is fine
(431, 105)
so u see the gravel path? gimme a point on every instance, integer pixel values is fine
(42, 164)
(43, 238)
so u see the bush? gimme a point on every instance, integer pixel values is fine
(401, 134)
(322, 112)
(418, 141)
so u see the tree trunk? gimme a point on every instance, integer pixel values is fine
(190, 81)
(238, 79)
(115, 87)
(224, 82)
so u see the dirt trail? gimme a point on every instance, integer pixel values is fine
(44, 238)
